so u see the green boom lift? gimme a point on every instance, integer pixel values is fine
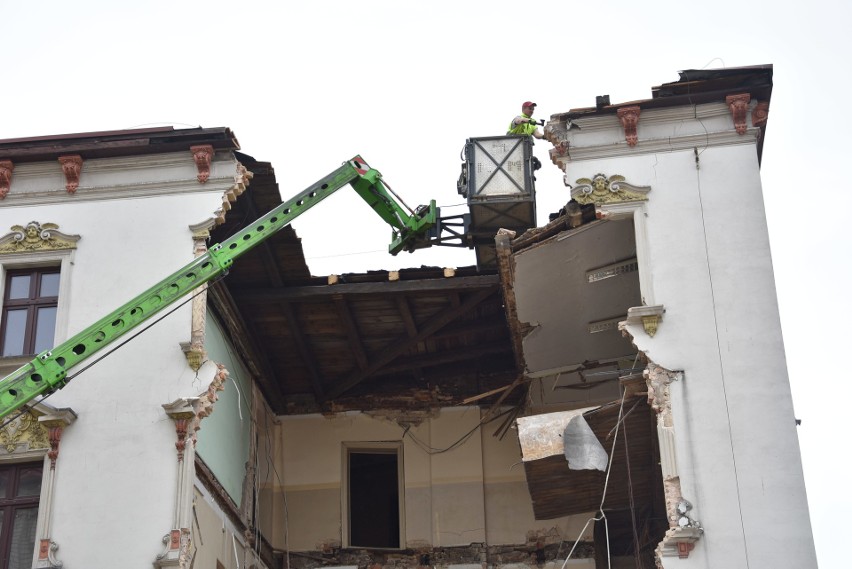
(48, 371)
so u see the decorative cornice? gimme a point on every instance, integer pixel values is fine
(629, 117)
(601, 190)
(71, 166)
(203, 156)
(36, 237)
(6, 168)
(739, 109)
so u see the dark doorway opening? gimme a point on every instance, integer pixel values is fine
(374, 498)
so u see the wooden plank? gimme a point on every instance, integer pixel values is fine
(275, 294)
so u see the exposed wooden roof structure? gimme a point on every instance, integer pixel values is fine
(414, 340)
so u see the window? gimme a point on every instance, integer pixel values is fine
(20, 486)
(29, 310)
(373, 496)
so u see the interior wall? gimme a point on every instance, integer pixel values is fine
(224, 436)
(461, 484)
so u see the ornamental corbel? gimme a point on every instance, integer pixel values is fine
(6, 168)
(71, 167)
(739, 109)
(648, 316)
(203, 156)
(55, 424)
(182, 412)
(629, 117)
(760, 113)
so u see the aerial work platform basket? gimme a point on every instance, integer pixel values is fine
(497, 178)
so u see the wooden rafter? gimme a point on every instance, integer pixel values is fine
(404, 343)
(304, 350)
(351, 328)
(410, 327)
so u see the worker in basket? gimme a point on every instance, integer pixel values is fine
(524, 123)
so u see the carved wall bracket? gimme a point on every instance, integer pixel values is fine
(55, 424)
(629, 117)
(177, 549)
(182, 412)
(203, 156)
(36, 237)
(6, 168)
(648, 316)
(47, 555)
(760, 113)
(601, 190)
(71, 167)
(739, 109)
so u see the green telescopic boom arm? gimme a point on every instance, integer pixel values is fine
(48, 371)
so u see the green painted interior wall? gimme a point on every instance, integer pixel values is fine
(223, 440)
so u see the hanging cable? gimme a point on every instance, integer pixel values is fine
(603, 495)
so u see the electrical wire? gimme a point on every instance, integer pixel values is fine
(428, 449)
(721, 365)
(603, 495)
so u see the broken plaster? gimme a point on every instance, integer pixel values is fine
(683, 531)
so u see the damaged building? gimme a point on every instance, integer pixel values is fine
(607, 389)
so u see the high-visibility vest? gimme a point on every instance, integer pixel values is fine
(523, 128)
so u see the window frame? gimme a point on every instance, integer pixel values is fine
(385, 447)
(8, 506)
(32, 304)
(63, 260)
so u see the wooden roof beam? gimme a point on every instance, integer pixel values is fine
(286, 294)
(402, 344)
(352, 332)
(304, 351)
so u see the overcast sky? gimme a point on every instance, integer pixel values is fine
(307, 85)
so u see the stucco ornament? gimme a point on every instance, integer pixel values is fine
(601, 190)
(203, 156)
(36, 237)
(739, 109)
(760, 113)
(6, 168)
(629, 117)
(24, 431)
(71, 166)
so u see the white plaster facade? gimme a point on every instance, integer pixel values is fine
(705, 264)
(117, 488)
